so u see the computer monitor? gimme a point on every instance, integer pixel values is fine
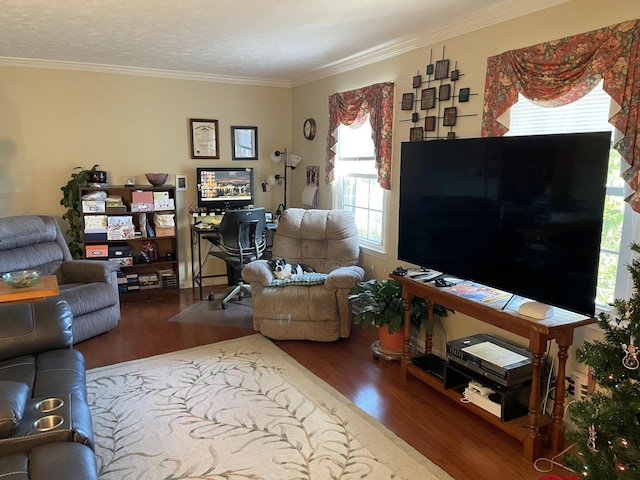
(224, 188)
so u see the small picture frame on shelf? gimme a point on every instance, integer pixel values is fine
(428, 98)
(451, 135)
(430, 123)
(407, 101)
(463, 96)
(450, 116)
(455, 74)
(442, 69)
(181, 183)
(444, 93)
(417, 81)
(416, 134)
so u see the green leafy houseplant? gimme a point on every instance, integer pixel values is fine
(380, 303)
(71, 200)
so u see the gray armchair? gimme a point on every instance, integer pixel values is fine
(327, 240)
(89, 286)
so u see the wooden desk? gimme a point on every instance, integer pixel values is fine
(530, 429)
(196, 243)
(46, 287)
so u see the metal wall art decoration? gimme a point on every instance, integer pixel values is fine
(434, 101)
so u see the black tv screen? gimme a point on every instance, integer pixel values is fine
(224, 188)
(521, 214)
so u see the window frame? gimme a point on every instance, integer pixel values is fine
(338, 191)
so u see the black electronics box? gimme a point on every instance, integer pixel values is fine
(432, 364)
(497, 360)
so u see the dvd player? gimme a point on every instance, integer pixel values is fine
(497, 360)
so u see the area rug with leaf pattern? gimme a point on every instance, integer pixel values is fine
(238, 409)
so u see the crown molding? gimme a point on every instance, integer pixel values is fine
(141, 72)
(493, 17)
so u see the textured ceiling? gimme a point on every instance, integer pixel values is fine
(286, 41)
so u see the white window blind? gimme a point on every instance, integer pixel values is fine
(589, 114)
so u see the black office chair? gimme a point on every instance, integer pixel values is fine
(240, 240)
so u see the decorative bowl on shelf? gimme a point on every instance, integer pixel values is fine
(156, 179)
(22, 278)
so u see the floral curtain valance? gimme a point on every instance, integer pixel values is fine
(562, 71)
(350, 108)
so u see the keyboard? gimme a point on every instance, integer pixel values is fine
(209, 221)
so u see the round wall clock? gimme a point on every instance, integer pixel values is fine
(309, 128)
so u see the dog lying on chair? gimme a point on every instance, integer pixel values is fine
(283, 269)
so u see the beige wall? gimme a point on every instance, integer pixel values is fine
(470, 51)
(53, 120)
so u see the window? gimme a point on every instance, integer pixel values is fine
(590, 113)
(356, 186)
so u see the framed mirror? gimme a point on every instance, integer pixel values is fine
(244, 143)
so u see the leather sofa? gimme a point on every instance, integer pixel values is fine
(89, 286)
(45, 421)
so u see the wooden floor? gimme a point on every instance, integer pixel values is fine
(461, 443)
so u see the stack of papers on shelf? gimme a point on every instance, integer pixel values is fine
(167, 278)
(148, 281)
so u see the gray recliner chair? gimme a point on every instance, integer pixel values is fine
(89, 286)
(310, 307)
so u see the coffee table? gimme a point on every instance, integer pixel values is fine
(46, 287)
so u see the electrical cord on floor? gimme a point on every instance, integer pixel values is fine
(552, 462)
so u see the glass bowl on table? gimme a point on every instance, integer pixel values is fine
(22, 278)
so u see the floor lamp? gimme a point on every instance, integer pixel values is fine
(290, 161)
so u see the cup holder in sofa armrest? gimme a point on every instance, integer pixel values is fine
(48, 422)
(49, 404)
(45, 420)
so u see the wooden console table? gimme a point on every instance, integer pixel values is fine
(46, 287)
(529, 430)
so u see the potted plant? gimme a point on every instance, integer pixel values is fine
(380, 303)
(71, 200)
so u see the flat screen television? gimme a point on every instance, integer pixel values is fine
(520, 214)
(224, 188)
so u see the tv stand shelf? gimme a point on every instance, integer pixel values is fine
(517, 428)
(531, 428)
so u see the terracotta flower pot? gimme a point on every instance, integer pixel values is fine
(391, 342)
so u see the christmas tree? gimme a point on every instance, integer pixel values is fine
(607, 423)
